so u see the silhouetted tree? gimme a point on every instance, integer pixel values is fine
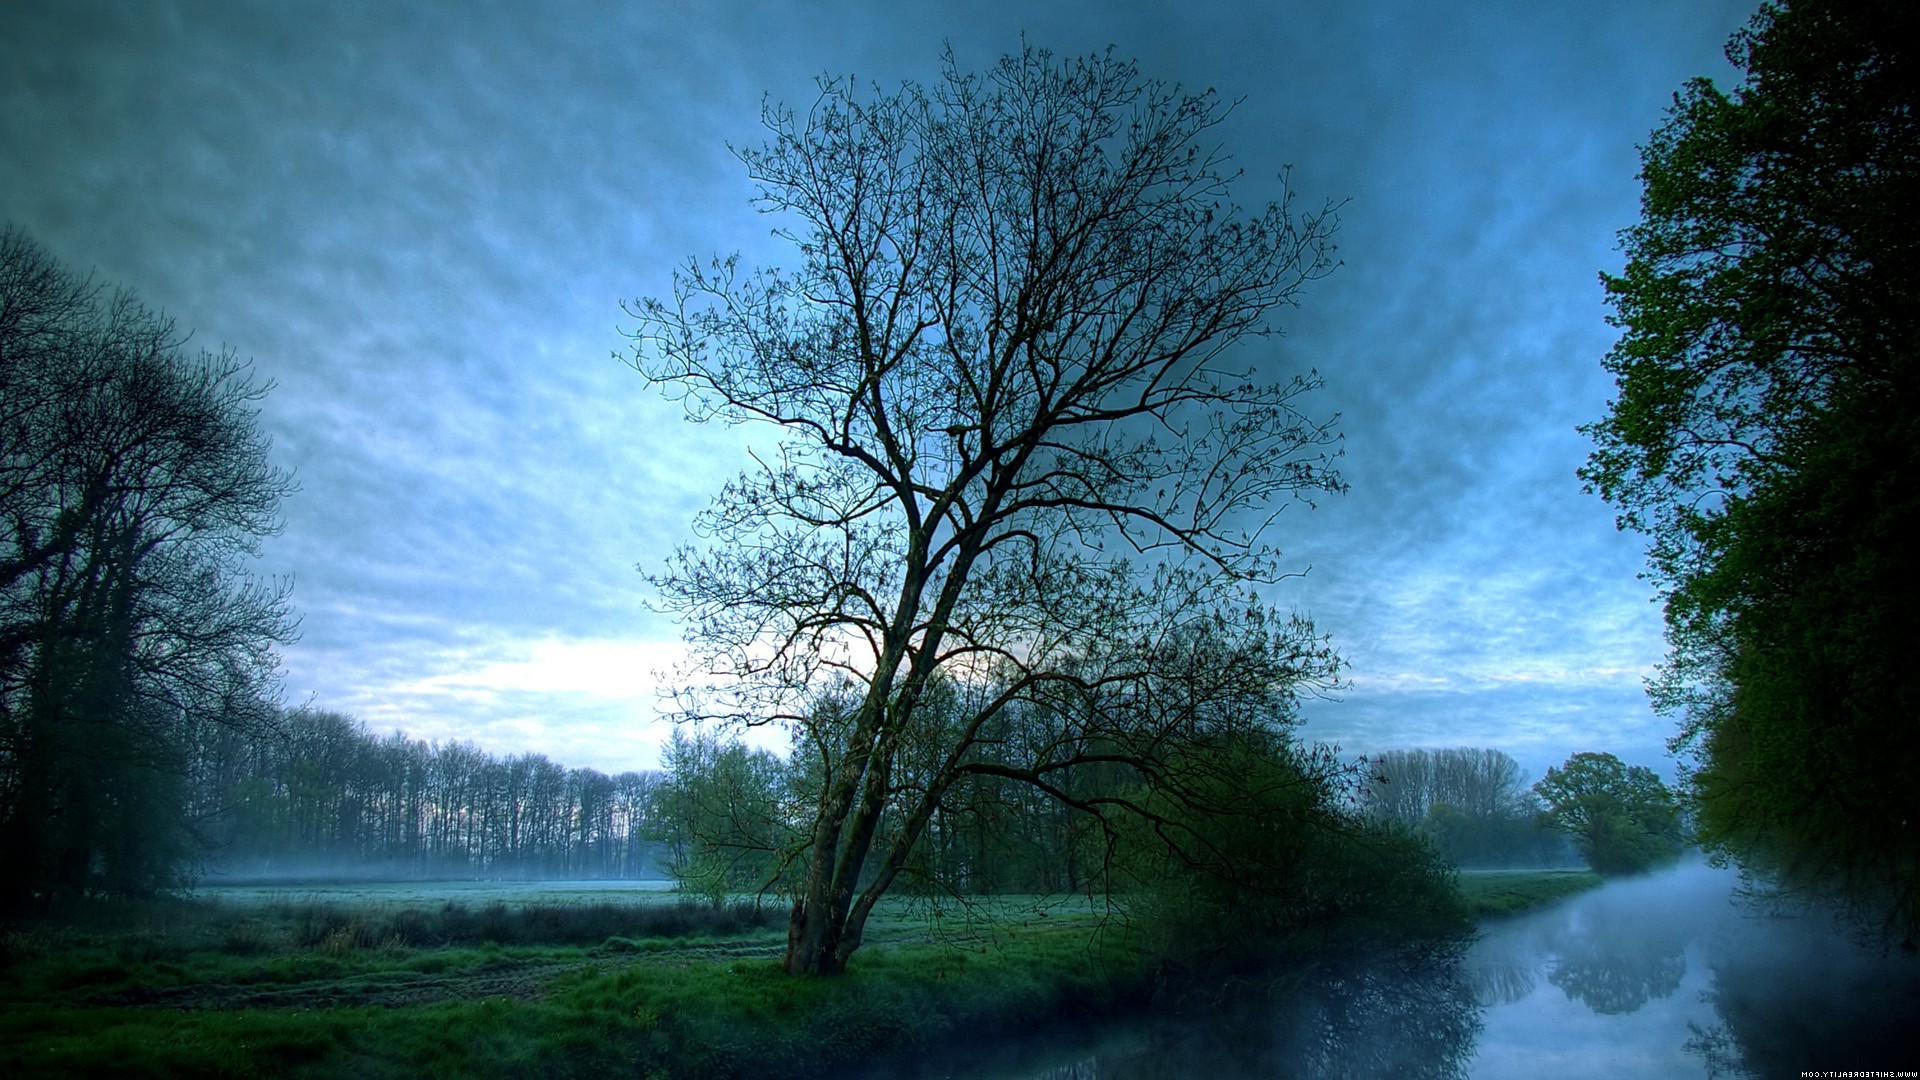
(1766, 437)
(134, 485)
(1006, 348)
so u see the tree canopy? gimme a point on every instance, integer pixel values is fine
(1765, 438)
(1621, 817)
(1018, 464)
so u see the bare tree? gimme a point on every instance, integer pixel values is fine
(134, 486)
(1015, 449)
(1405, 784)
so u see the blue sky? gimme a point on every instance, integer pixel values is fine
(420, 221)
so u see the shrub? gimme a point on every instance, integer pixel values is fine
(1268, 866)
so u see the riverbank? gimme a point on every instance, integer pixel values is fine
(298, 987)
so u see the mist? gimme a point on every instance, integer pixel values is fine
(1675, 974)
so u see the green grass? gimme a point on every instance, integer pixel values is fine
(165, 992)
(314, 987)
(1509, 892)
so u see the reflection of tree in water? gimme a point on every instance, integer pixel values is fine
(1616, 963)
(1502, 969)
(1381, 1023)
(1087, 1068)
(1377, 1022)
(1500, 983)
(1718, 1050)
(1612, 978)
(1790, 992)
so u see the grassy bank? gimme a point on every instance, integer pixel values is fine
(649, 988)
(1508, 892)
(182, 990)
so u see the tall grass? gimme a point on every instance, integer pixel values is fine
(686, 1010)
(323, 924)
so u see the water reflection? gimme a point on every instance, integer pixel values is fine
(1794, 995)
(1377, 1021)
(1653, 977)
(1614, 967)
(1666, 976)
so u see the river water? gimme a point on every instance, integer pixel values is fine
(1665, 976)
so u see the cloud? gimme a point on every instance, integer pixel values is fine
(586, 702)
(608, 670)
(421, 220)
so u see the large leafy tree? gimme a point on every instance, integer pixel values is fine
(1620, 817)
(1766, 437)
(1004, 359)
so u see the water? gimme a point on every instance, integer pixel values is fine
(1664, 976)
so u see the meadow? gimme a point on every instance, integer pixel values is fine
(1492, 893)
(553, 979)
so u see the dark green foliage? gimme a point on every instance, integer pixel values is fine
(1766, 437)
(1269, 867)
(1621, 818)
(727, 814)
(1509, 838)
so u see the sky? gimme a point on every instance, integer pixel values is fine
(420, 221)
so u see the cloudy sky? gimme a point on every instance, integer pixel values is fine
(420, 220)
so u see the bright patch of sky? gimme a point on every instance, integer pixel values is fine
(420, 221)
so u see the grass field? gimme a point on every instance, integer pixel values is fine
(376, 981)
(551, 979)
(1508, 892)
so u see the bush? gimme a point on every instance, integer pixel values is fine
(1267, 866)
(333, 928)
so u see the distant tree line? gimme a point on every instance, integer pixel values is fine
(1475, 807)
(316, 793)
(1472, 804)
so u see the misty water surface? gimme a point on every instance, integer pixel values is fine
(434, 892)
(1666, 976)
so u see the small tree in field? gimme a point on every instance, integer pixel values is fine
(1017, 460)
